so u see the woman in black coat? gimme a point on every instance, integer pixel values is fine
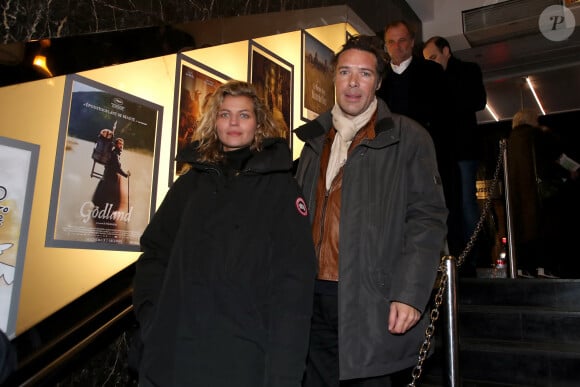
(223, 289)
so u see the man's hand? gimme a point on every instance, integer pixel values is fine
(402, 317)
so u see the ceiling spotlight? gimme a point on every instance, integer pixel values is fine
(39, 60)
(490, 111)
(535, 95)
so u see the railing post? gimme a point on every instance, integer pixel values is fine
(511, 253)
(451, 335)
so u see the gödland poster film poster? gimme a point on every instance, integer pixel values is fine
(19, 161)
(105, 169)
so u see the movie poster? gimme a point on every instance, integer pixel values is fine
(19, 161)
(272, 77)
(197, 84)
(317, 77)
(105, 170)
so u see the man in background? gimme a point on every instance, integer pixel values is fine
(465, 95)
(413, 86)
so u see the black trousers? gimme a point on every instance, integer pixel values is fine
(322, 362)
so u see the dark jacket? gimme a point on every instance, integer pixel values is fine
(392, 228)
(416, 92)
(223, 289)
(533, 176)
(465, 96)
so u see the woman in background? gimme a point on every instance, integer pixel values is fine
(539, 173)
(223, 288)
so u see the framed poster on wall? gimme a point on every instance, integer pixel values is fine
(19, 161)
(104, 183)
(317, 77)
(196, 84)
(273, 78)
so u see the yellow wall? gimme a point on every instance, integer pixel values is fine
(53, 277)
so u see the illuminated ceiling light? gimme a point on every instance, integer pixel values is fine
(40, 62)
(535, 95)
(490, 110)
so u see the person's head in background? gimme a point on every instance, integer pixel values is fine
(525, 117)
(438, 50)
(399, 41)
(359, 68)
(235, 117)
(119, 143)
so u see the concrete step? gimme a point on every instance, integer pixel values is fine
(556, 293)
(513, 332)
(505, 363)
(522, 363)
(532, 324)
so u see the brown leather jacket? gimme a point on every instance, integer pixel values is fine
(325, 226)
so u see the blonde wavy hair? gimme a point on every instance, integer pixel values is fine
(525, 117)
(210, 148)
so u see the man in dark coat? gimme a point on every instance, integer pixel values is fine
(465, 95)
(374, 194)
(413, 86)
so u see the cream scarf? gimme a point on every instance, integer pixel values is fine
(346, 128)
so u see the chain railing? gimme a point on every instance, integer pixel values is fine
(444, 278)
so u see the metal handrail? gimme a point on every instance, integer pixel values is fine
(452, 335)
(69, 355)
(446, 290)
(61, 339)
(511, 251)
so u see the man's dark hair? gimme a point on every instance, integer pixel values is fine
(368, 43)
(439, 42)
(401, 23)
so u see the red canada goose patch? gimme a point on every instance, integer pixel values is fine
(301, 207)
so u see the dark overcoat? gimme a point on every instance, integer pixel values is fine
(392, 228)
(465, 95)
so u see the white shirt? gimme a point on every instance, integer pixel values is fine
(403, 66)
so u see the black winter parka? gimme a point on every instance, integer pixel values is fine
(223, 288)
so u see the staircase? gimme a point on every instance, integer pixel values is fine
(513, 332)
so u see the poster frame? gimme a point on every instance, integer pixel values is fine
(308, 113)
(26, 202)
(116, 95)
(271, 58)
(199, 68)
